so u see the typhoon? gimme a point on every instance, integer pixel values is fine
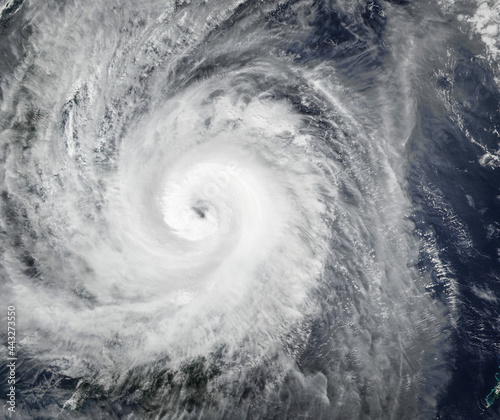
(250, 209)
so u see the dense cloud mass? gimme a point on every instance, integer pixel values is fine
(251, 209)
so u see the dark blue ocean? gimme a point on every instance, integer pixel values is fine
(250, 209)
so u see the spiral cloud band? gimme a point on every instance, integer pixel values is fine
(207, 214)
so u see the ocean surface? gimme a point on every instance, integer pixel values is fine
(250, 209)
